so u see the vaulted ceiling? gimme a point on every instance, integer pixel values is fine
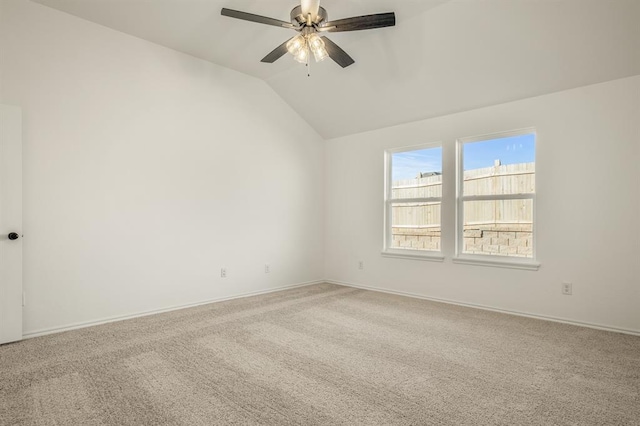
(443, 56)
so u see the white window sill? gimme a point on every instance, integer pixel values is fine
(498, 263)
(432, 256)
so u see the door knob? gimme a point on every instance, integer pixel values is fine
(13, 236)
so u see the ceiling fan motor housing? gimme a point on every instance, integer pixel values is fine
(298, 18)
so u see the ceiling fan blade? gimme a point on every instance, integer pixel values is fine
(276, 53)
(337, 54)
(367, 22)
(256, 18)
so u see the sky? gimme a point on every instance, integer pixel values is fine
(476, 155)
(407, 165)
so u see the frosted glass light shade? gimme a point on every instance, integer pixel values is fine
(302, 55)
(320, 54)
(315, 42)
(296, 44)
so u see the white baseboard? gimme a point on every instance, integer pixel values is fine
(76, 326)
(490, 308)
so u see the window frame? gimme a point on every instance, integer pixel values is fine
(492, 260)
(387, 249)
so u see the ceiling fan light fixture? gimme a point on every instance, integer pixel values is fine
(314, 41)
(320, 54)
(302, 55)
(296, 44)
(316, 45)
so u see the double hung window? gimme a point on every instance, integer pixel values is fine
(413, 199)
(496, 195)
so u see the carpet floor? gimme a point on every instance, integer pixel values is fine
(323, 354)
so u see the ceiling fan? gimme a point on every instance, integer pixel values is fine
(309, 19)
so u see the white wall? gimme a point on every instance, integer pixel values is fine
(588, 156)
(147, 170)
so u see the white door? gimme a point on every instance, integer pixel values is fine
(10, 224)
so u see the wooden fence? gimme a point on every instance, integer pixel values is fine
(493, 227)
(497, 180)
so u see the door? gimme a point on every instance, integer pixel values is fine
(10, 224)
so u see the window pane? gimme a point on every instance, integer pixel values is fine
(499, 228)
(499, 166)
(415, 226)
(416, 174)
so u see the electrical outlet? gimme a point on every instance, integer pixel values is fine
(361, 265)
(567, 289)
(267, 268)
(223, 273)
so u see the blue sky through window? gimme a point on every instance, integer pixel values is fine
(510, 150)
(407, 165)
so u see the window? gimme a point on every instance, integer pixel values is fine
(413, 199)
(482, 210)
(496, 196)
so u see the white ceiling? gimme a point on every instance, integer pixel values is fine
(443, 56)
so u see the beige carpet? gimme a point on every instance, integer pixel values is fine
(323, 354)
